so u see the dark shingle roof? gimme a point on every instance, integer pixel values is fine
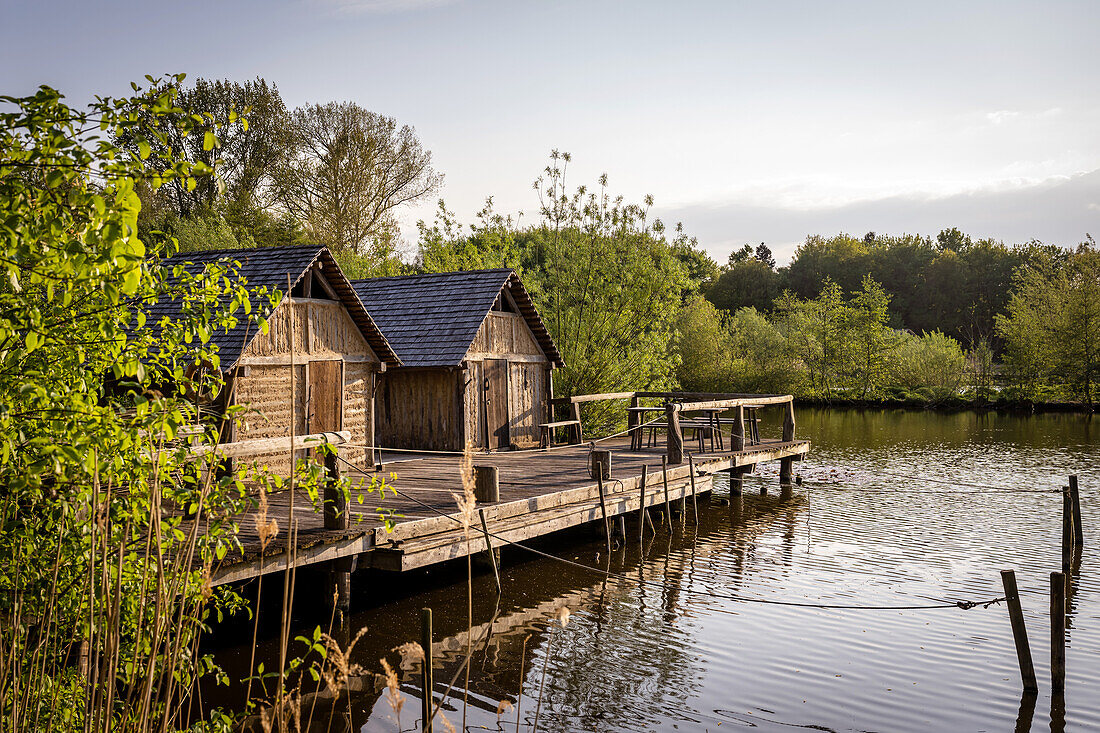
(270, 266)
(431, 320)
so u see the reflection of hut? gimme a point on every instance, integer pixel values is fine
(336, 349)
(476, 361)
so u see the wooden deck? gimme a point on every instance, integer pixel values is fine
(541, 492)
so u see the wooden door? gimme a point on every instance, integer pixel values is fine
(326, 380)
(496, 403)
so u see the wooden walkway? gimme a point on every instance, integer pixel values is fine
(541, 492)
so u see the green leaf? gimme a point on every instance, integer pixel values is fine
(208, 141)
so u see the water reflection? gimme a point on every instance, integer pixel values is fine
(658, 645)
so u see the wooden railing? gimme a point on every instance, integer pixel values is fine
(675, 442)
(335, 502)
(678, 402)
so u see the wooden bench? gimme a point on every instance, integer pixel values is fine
(548, 429)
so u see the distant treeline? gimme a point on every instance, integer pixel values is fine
(630, 302)
(908, 319)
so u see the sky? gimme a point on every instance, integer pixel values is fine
(748, 121)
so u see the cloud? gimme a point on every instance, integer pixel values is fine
(1001, 116)
(1059, 210)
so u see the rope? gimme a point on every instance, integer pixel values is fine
(857, 488)
(964, 605)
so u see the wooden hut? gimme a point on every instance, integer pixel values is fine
(476, 361)
(322, 334)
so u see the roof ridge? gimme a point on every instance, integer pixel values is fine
(435, 274)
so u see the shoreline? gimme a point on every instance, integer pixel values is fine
(950, 405)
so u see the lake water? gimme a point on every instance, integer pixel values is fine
(887, 515)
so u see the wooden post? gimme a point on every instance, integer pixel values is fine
(486, 483)
(599, 461)
(1058, 632)
(1067, 530)
(603, 512)
(336, 503)
(339, 573)
(664, 481)
(788, 422)
(694, 501)
(641, 505)
(675, 438)
(576, 429)
(737, 440)
(489, 549)
(785, 472)
(426, 674)
(1078, 528)
(633, 419)
(737, 483)
(1019, 630)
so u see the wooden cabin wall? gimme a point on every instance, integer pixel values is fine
(313, 330)
(473, 405)
(419, 409)
(266, 392)
(507, 336)
(359, 384)
(527, 402)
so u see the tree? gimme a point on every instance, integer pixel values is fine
(933, 362)
(1052, 324)
(764, 254)
(704, 351)
(237, 128)
(739, 255)
(346, 173)
(746, 284)
(872, 338)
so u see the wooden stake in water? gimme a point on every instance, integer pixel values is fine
(1075, 500)
(641, 505)
(1067, 529)
(664, 479)
(1019, 630)
(694, 502)
(603, 511)
(426, 674)
(1058, 632)
(489, 549)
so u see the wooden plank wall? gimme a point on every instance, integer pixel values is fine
(418, 409)
(473, 404)
(320, 327)
(315, 330)
(266, 392)
(358, 411)
(507, 336)
(526, 402)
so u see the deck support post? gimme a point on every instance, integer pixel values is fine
(642, 516)
(737, 482)
(788, 422)
(336, 502)
(599, 463)
(486, 483)
(694, 500)
(339, 581)
(675, 439)
(737, 440)
(785, 471)
(575, 430)
(633, 419)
